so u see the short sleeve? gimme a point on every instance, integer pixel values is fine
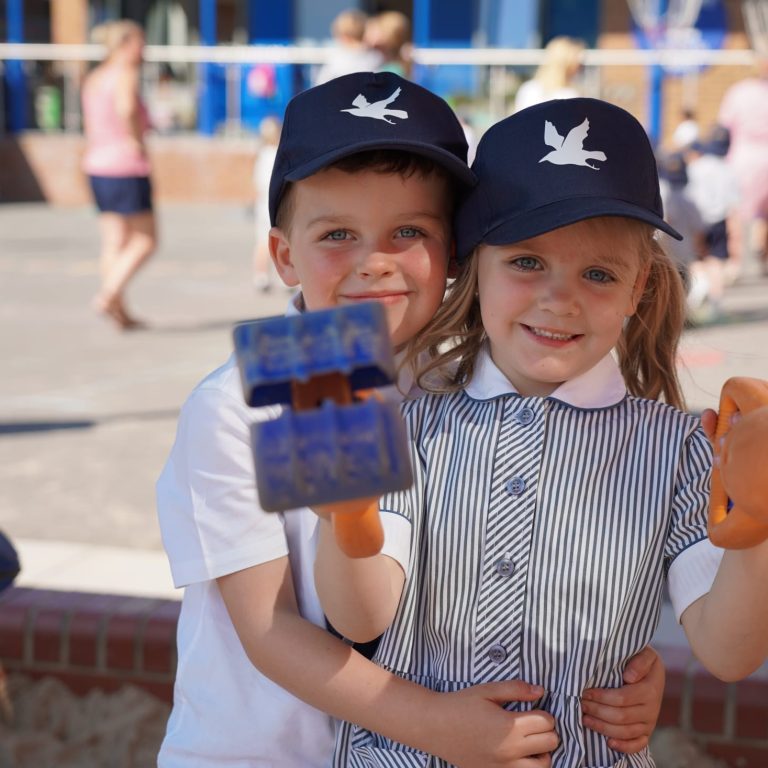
(210, 518)
(690, 558)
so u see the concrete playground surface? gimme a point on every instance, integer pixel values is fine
(88, 414)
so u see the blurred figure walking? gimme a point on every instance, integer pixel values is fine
(350, 52)
(744, 111)
(556, 75)
(117, 165)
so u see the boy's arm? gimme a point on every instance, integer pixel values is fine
(469, 728)
(359, 595)
(728, 627)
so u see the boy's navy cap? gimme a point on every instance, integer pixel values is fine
(557, 163)
(364, 111)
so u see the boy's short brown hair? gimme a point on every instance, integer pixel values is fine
(384, 161)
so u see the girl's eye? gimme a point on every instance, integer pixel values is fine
(409, 232)
(598, 275)
(525, 263)
(337, 234)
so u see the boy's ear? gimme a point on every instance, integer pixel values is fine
(280, 252)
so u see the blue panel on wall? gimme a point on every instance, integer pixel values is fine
(573, 18)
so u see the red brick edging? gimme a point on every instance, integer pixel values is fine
(90, 640)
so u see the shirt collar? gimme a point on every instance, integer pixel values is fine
(602, 386)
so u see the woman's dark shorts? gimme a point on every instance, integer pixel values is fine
(122, 194)
(716, 237)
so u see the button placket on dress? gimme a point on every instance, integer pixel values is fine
(514, 466)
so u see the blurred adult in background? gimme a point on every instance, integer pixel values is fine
(744, 111)
(350, 52)
(117, 165)
(555, 76)
(714, 188)
(686, 131)
(389, 35)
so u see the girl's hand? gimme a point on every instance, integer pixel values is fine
(477, 732)
(628, 715)
(709, 423)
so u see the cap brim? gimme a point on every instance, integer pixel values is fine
(564, 212)
(442, 157)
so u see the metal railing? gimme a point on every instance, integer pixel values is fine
(492, 67)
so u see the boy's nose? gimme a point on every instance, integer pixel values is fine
(376, 263)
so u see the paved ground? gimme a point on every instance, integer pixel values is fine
(87, 415)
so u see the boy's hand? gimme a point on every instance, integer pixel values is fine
(628, 715)
(477, 732)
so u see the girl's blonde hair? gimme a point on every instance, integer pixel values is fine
(444, 354)
(113, 34)
(562, 59)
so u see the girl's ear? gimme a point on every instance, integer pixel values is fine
(280, 252)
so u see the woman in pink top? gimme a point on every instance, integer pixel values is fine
(117, 165)
(744, 111)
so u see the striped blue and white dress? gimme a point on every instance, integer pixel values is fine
(536, 540)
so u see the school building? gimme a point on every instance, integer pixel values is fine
(196, 101)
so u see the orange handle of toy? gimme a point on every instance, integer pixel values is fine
(357, 527)
(740, 472)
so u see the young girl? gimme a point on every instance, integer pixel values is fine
(554, 491)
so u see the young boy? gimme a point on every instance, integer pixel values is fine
(361, 196)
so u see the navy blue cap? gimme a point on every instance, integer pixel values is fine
(557, 163)
(364, 111)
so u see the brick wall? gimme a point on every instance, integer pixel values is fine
(89, 640)
(37, 167)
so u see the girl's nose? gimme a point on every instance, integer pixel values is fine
(559, 296)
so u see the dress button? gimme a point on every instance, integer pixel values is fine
(516, 486)
(497, 653)
(505, 567)
(525, 416)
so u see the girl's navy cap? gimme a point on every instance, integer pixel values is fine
(359, 112)
(557, 163)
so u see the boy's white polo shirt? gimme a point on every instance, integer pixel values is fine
(225, 711)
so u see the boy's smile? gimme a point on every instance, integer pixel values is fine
(369, 236)
(555, 305)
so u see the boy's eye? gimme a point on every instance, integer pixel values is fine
(525, 263)
(336, 234)
(598, 275)
(409, 232)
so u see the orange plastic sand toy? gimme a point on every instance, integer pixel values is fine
(741, 469)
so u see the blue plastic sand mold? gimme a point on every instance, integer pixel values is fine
(337, 449)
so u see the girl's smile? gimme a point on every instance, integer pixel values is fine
(555, 305)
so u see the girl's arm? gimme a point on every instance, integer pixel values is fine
(470, 728)
(359, 595)
(728, 627)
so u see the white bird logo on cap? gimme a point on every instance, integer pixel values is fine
(569, 150)
(378, 110)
